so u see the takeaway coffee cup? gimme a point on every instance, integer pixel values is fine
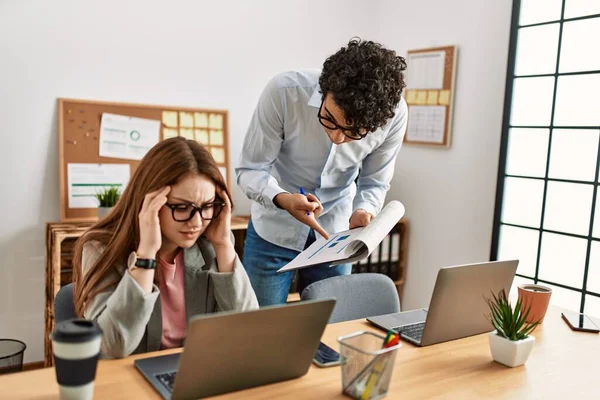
(76, 347)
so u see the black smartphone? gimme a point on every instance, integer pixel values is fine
(580, 322)
(326, 356)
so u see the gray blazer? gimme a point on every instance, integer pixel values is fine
(132, 321)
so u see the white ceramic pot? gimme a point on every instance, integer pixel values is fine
(103, 212)
(508, 352)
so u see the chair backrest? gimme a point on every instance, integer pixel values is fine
(358, 295)
(64, 306)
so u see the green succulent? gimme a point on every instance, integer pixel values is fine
(108, 197)
(509, 323)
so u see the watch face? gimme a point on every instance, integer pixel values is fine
(131, 260)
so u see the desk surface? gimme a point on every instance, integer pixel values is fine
(564, 364)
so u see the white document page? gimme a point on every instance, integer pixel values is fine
(127, 137)
(85, 180)
(352, 245)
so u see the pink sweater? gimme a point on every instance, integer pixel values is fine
(172, 302)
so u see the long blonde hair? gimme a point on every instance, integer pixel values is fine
(165, 164)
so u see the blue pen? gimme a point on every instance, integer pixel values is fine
(303, 193)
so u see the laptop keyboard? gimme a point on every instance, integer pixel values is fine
(167, 379)
(414, 331)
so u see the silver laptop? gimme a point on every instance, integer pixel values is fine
(231, 351)
(457, 309)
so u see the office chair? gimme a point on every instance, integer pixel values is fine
(358, 295)
(64, 306)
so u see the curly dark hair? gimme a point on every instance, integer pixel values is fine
(366, 81)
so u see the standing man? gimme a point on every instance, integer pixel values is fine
(319, 156)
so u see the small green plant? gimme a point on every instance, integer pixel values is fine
(108, 197)
(509, 323)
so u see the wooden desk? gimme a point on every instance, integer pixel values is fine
(563, 364)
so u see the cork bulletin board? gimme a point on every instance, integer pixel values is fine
(79, 126)
(429, 95)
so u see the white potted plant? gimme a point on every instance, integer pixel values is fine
(107, 198)
(511, 342)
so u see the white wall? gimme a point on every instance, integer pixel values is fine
(220, 54)
(216, 54)
(449, 194)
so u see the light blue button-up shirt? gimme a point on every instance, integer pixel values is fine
(286, 148)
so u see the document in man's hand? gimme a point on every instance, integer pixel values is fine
(349, 246)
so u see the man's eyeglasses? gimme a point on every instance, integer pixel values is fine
(185, 212)
(352, 133)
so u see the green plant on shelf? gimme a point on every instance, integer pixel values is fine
(109, 196)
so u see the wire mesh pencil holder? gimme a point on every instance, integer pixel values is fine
(366, 366)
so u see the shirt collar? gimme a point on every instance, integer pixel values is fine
(315, 99)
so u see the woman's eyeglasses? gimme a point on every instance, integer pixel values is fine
(352, 133)
(185, 212)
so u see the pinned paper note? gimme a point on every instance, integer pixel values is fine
(216, 138)
(426, 70)
(186, 133)
(201, 120)
(218, 154)
(421, 97)
(86, 180)
(202, 136)
(169, 133)
(186, 120)
(411, 96)
(426, 124)
(216, 121)
(432, 97)
(444, 97)
(169, 118)
(127, 137)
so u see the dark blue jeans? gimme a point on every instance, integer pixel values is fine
(262, 259)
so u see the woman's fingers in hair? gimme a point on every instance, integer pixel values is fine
(160, 199)
(223, 195)
(155, 200)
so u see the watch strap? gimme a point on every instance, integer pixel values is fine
(145, 263)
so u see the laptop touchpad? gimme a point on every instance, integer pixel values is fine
(408, 318)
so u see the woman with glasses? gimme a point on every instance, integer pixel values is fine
(164, 254)
(333, 134)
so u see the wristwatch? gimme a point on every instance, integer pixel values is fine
(145, 263)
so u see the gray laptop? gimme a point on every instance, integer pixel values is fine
(457, 308)
(231, 351)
